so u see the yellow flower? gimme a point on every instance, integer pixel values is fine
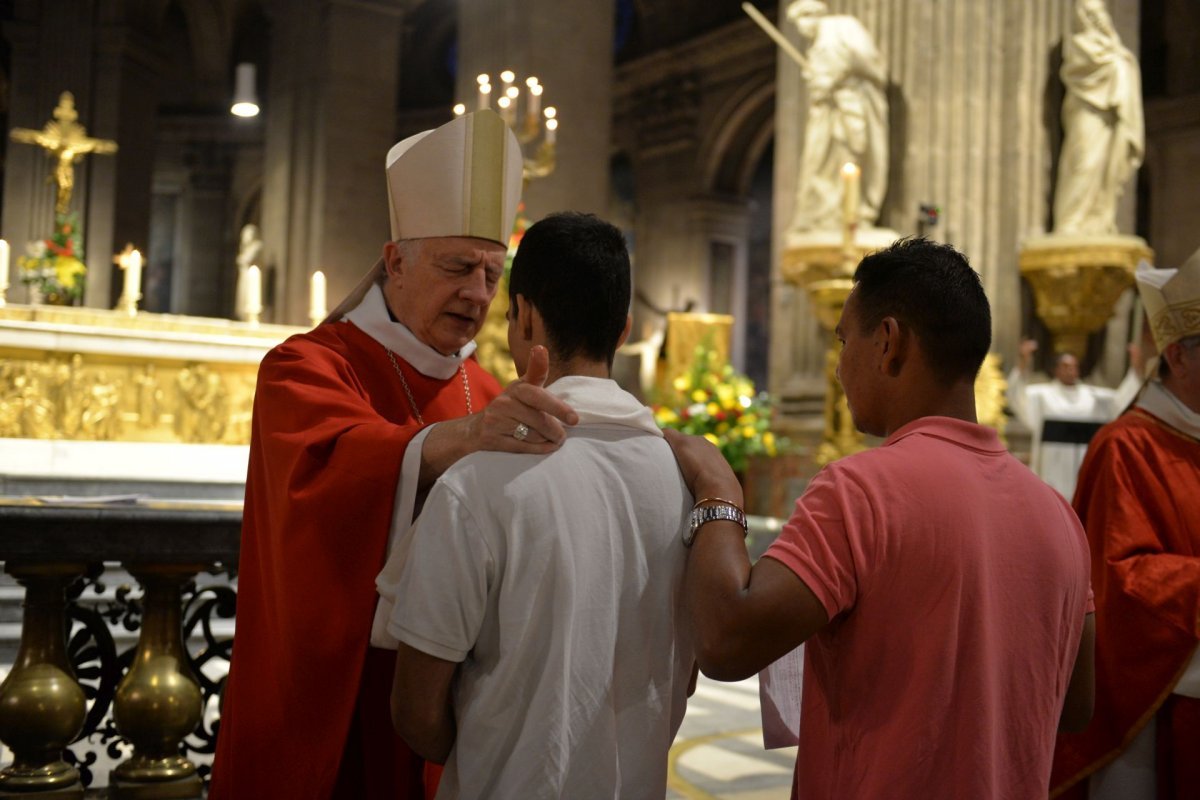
(722, 428)
(749, 419)
(748, 432)
(699, 396)
(713, 439)
(769, 443)
(726, 395)
(665, 416)
(66, 270)
(713, 409)
(682, 383)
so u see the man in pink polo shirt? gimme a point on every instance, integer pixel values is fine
(941, 586)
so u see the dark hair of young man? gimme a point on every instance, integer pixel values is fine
(574, 269)
(932, 289)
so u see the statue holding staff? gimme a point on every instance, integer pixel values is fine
(847, 113)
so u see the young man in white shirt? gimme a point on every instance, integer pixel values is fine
(542, 646)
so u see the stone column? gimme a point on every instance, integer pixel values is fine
(569, 47)
(91, 52)
(51, 53)
(330, 119)
(199, 283)
(125, 105)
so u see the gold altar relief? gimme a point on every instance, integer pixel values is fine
(102, 399)
(128, 379)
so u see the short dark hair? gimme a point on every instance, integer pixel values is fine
(931, 288)
(574, 269)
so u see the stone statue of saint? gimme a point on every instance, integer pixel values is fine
(249, 250)
(847, 117)
(1103, 132)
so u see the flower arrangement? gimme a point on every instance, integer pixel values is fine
(714, 401)
(55, 265)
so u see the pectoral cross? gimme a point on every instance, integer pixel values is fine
(65, 141)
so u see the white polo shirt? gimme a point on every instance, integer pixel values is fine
(556, 582)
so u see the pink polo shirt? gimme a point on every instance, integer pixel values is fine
(956, 584)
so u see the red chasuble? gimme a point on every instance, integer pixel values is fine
(306, 707)
(1138, 495)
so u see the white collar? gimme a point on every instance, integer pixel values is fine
(372, 318)
(600, 401)
(1158, 400)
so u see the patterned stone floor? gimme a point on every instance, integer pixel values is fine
(718, 752)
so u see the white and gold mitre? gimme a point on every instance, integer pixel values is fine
(1172, 300)
(462, 179)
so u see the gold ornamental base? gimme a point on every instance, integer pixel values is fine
(823, 264)
(1076, 281)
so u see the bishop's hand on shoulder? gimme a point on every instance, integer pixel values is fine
(526, 418)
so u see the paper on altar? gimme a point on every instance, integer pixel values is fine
(779, 689)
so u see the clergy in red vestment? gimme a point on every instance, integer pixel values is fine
(351, 422)
(1139, 500)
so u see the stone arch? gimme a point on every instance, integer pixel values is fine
(732, 149)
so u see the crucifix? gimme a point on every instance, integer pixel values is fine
(66, 141)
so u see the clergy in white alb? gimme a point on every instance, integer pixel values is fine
(1063, 414)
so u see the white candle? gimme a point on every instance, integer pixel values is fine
(133, 278)
(253, 290)
(850, 175)
(551, 127)
(485, 91)
(535, 99)
(4, 252)
(316, 297)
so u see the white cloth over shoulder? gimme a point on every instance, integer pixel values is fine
(556, 581)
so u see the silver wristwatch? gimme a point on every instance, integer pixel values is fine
(703, 514)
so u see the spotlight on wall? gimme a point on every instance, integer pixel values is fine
(245, 97)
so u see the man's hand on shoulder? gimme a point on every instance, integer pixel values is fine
(704, 469)
(524, 418)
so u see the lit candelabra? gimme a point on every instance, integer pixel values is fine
(536, 128)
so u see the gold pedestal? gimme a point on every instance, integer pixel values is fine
(42, 706)
(824, 264)
(1076, 281)
(158, 702)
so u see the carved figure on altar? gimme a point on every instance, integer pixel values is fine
(1103, 130)
(847, 117)
(249, 250)
(101, 419)
(202, 414)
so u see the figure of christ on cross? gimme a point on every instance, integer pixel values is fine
(66, 141)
